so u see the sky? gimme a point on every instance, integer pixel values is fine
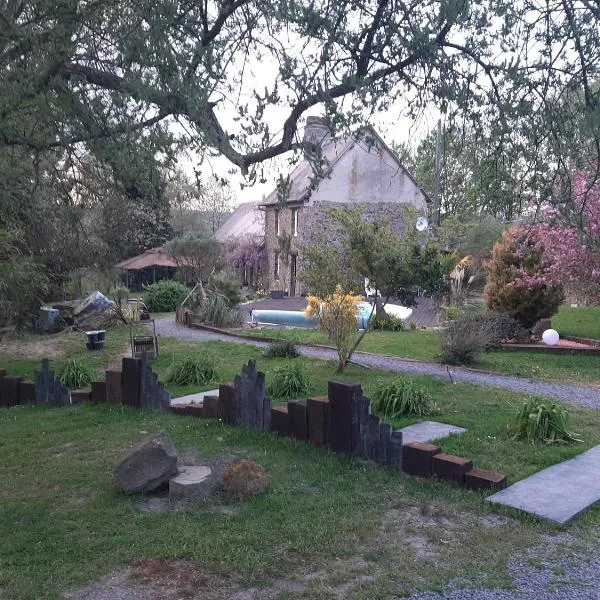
(391, 127)
(258, 75)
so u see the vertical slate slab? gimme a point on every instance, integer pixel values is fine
(9, 386)
(267, 414)
(280, 421)
(41, 382)
(98, 392)
(27, 392)
(385, 432)
(364, 408)
(317, 411)
(153, 394)
(48, 389)
(2, 374)
(341, 401)
(113, 387)
(249, 397)
(374, 440)
(226, 403)
(396, 449)
(210, 407)
(131, 382)
(298, 420)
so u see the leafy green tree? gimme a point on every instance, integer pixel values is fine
(23, 283)
(198, 255)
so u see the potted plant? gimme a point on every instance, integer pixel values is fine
(277, 291)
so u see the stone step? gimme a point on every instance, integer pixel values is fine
(559, 493)
(428, 431)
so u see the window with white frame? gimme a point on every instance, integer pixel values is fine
(295, 212)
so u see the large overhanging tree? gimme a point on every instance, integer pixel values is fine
(75, 72)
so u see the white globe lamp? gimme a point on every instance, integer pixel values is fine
(550, 337)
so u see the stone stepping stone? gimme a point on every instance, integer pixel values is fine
(191, 482)
(559, 493)
(194, 398)
(428, 431)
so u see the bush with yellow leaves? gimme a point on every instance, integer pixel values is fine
(337, 314)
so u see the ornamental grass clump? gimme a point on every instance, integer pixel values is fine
(289, 381)
(193, 369)
(283, 349)
(401, 398)
(540, 420)
(75, 375)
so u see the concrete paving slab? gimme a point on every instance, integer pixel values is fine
(427, 431)
(559, 493)
(194, 398)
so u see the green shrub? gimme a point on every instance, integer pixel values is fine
(228, 288)
(215, 310)
(193, 369)
(283, 349)
(469, 335)
(413, 326)
(511, 255)
(450, 313)
(390, 323)
(540, 420)
(164, 296)
(289, 381)
(462, 341)
(75, 375)
(401, 398)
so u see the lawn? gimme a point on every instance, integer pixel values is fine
(66, 525)
(579, 321)
(425, 345)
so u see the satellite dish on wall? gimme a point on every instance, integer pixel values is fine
(421, 224)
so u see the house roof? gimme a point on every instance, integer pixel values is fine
(246, 220)
(155, 257)
(302, 177)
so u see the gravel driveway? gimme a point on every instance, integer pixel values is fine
(583, 396)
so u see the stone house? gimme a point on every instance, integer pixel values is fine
(359, 170)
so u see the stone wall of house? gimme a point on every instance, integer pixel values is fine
(320, 228)
(369, 173)
(271, 245)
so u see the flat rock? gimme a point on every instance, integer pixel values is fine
(149, 465)
(428, 431)
(193, 398)
(559, 493)
(192, 482)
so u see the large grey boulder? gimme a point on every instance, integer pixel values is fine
(149, 465)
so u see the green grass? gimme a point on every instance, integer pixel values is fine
(422, 345)
(65, 524)
(425, 345)
(580, 321)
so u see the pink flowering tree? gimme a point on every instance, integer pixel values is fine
(568, 249)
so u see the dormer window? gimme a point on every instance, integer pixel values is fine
(295, 221)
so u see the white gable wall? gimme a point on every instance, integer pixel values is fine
(368, 174)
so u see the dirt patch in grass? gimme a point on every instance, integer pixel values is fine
(157, 579)
(50, 348)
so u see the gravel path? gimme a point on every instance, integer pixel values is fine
(547, 572)
(583, 396)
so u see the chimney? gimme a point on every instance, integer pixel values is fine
(317, 132)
